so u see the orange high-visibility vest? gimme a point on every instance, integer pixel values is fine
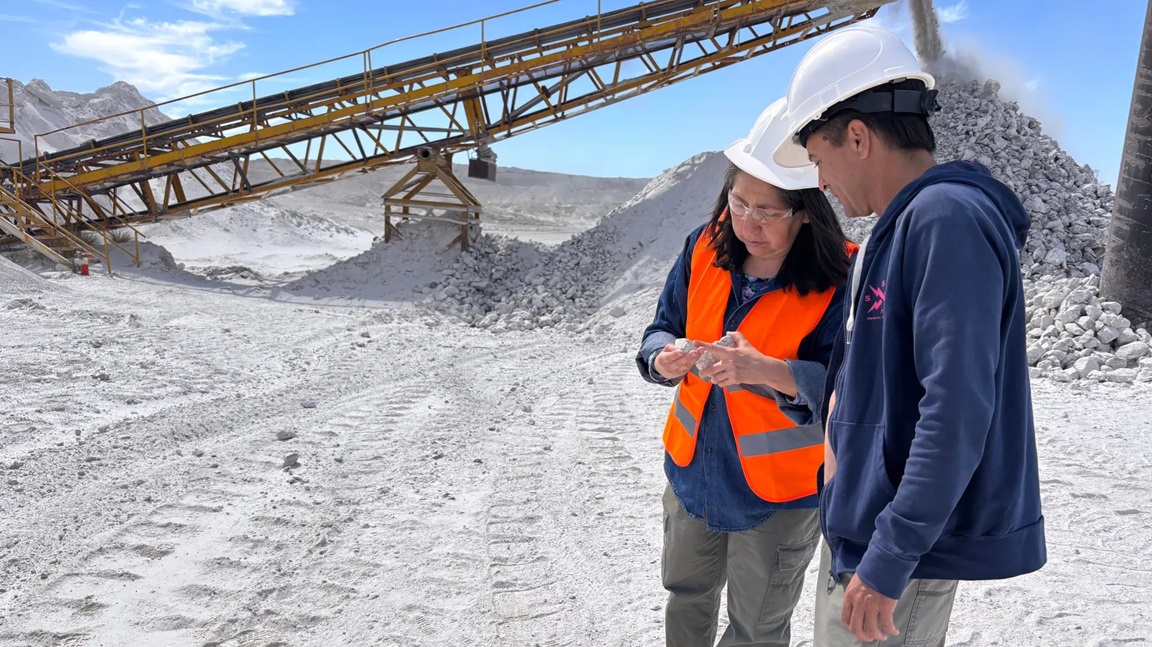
(779, 459)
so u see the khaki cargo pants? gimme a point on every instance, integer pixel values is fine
(763, 568)
(922, 614)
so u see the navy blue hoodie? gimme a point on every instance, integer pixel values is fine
(936, 473)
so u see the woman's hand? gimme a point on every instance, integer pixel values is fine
(673, 363)
(743, 364)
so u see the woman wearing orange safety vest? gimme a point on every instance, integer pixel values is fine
(742, 436)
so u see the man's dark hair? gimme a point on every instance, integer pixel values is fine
(818, 259)
(903, 131)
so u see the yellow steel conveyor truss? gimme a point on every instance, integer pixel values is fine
(388, 113)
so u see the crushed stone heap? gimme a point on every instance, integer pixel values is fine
(1070, 208)
(505, 284)
(1074, 335)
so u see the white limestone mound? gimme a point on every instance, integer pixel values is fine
(1070, 208)
(16, 280)
(504, 284)
(1074, 335)
(399, 270)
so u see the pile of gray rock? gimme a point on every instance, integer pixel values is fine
(1070, 208)
(1074, 335)
(502, 284)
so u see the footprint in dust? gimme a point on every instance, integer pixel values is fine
(81, 585)
(1128, 512)
(200, 593)
(976, 639)
(53, 638)
(127, 556)
(88, 605)
(155, 531)
(171, 623)
(1058, 616)
(1088, 495)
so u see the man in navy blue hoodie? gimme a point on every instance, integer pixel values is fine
(930, 471)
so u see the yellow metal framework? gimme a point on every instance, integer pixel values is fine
(416, 191)
(61, 241)
(447, 102)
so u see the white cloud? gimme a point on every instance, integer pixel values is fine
(169, 59)
(954, 13)
(163, 60)
(244, 7)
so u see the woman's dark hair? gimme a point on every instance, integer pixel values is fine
(817, 261)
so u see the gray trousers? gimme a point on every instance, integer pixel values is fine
(763, 568)
(921, 615)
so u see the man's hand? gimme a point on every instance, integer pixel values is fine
(673, 363)
(868, 614)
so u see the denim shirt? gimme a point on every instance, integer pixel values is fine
(712, 487)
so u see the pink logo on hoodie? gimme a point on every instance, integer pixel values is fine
(875, 300)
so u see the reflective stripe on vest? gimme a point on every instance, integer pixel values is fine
(684, 416)
(781, 440)
(758, 389)
(779, 459)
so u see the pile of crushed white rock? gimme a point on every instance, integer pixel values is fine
(1070, 207)
(502, 284)
(1074, 335)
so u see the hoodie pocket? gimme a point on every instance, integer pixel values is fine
(863, 488)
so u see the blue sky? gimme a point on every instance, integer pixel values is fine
(1070, 68)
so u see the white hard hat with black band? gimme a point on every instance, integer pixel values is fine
(857, 68)
(885, 98)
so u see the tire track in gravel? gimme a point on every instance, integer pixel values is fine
(551, 520)
(395, 454)
(524, 570)
(424, 508)
(406, 553)
(416, 473)
(609, 438)
(117, 471)
(173, 571)
(195, 549)
(618, 427)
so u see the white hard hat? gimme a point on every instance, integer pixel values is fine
(753, 154)
(841, 66)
